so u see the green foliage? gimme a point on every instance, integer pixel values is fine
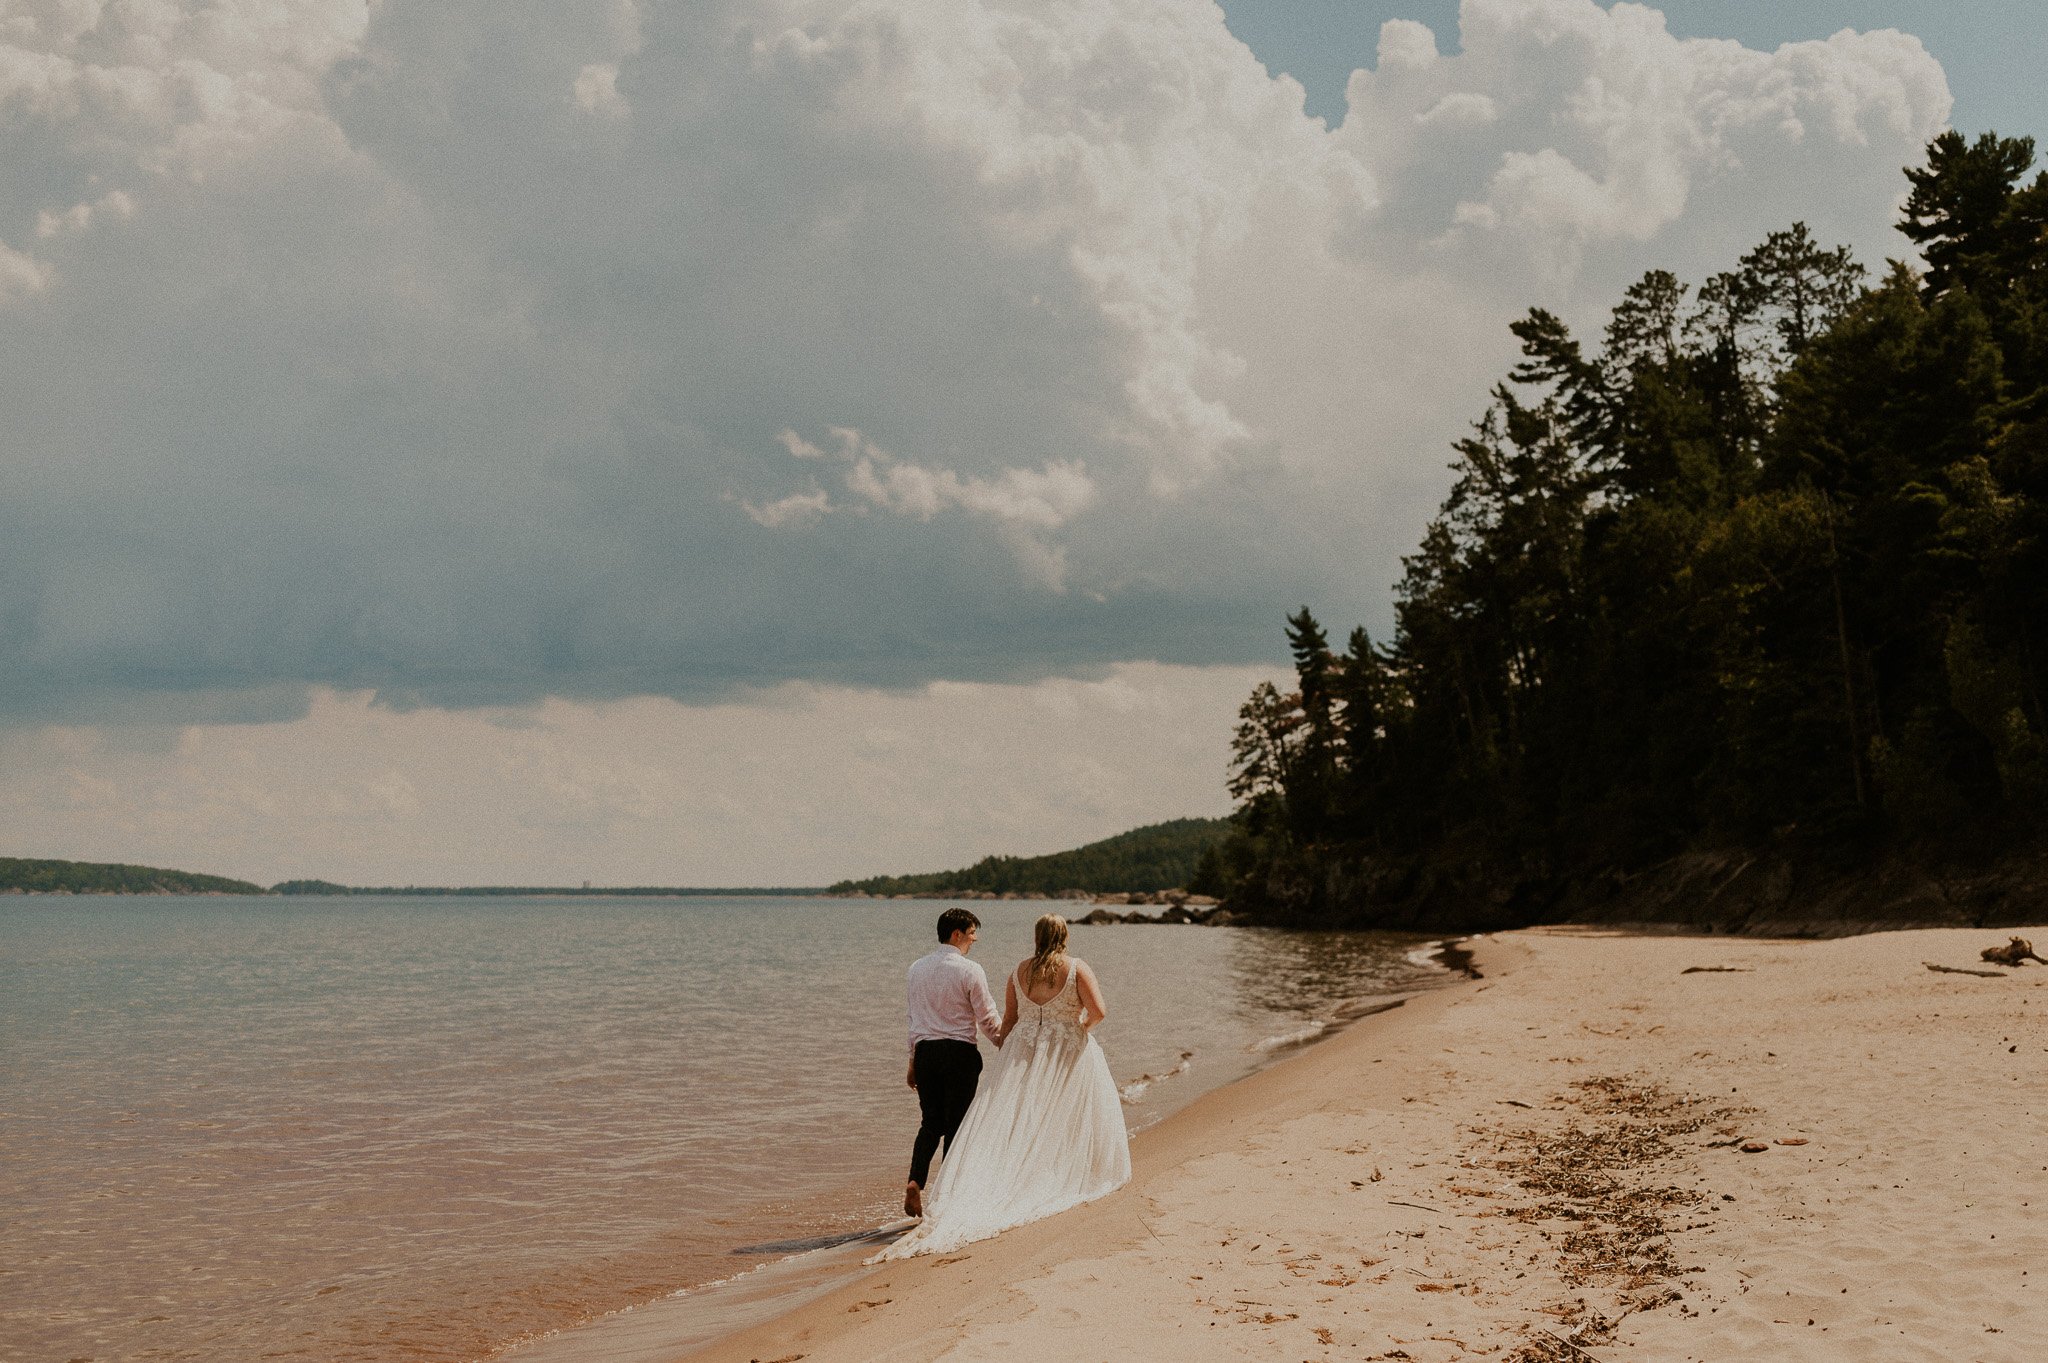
(20, 876)
(1161, 856)
(1772, 563)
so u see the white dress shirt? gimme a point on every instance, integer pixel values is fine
(949, 998)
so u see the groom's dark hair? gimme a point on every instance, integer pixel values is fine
(956, 920)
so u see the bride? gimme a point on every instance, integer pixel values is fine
(1046, 1131)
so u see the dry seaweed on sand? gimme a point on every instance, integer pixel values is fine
(1602, 1174)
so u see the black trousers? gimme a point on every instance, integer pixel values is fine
(947, 1074)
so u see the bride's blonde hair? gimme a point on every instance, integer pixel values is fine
(1049, 948)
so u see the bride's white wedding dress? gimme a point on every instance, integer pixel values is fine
(1045, 1133)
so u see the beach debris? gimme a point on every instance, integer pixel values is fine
(2012, 953)
(1754, 1147)
(1601, 1173)
(1718, 970)
(1550, 1347)
(1958, 970)
(1791, 1140)
(1576, 1351)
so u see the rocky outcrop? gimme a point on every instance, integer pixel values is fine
(1216, 917)
(1766, 893)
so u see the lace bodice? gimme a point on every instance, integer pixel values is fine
(1057, 1019)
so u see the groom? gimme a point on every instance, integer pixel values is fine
(949, 999)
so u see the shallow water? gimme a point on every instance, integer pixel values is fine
(368, 1129)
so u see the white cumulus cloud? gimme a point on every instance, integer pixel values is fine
(463, 344)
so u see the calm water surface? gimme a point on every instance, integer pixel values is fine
(371, 1129)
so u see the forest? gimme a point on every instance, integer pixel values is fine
(1765, 566)
(1160, 856)
(24, 875)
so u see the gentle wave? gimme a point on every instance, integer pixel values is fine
(1300, 1036)
(1138, 1087)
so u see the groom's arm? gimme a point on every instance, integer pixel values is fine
(985, 1008)
(1009, 1011)
(910, 1030)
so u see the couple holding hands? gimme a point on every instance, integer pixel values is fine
(1046, 1132)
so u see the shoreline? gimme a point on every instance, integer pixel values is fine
(1707, 1147)
(706, 1314)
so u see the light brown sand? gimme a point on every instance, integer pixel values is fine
(1546, 1165)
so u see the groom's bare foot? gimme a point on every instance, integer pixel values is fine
(913, 1200)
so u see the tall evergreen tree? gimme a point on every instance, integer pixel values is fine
(1771, 564)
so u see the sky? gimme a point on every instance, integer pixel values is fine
(1990, 49)
(766, 441)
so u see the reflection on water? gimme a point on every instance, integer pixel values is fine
(1276, 974)
(378, 1129)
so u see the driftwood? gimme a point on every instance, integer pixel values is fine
(1955, 970)
(2012, 953)
(1717, 970)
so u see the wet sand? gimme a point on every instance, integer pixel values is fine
(1669, 1148)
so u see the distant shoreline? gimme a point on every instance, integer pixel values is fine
(563, 891)
(453, 891)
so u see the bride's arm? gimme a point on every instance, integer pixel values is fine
(1093, 1009)
(1009, 1011)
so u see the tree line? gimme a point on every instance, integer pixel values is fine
(1156, 857)
(1765, 564)
(27, 875)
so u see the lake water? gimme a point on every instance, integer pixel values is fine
(425, 1129)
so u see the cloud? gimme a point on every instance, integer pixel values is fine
(458, 351)
(21, 275)
(1025, 504)
(1041, 499)
(597, 90)
(798, 508)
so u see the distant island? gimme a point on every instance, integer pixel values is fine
(20, 875)
(1146, 860)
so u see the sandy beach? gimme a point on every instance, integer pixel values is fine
(1671, 1148)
